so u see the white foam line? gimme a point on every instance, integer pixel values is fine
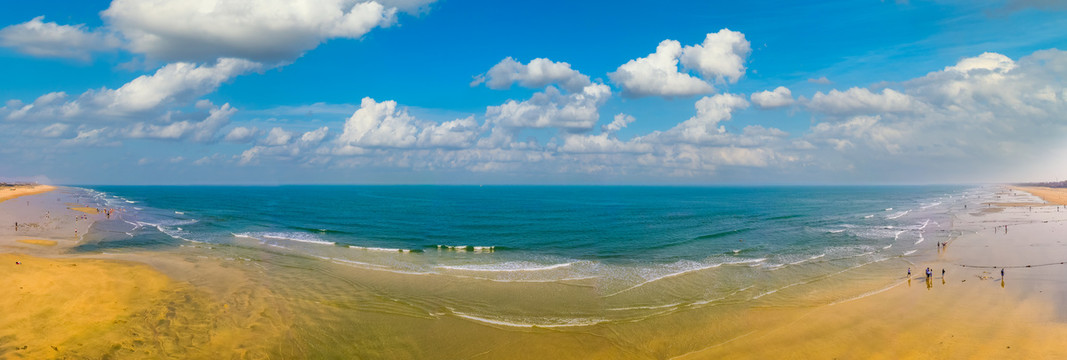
(370, 248)
(645, 307)
(664, 277)
(897, 236)
(320, 242)
(887, 247)
(897, 215)
(909, 252)
(543, 268)
(523, 325)
(921, 238)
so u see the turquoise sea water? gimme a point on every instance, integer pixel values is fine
(624, 235)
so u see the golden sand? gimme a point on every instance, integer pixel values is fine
(40, 242)
(1056, 196)
(8, 193)
(86, 209)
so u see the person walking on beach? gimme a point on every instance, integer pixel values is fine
(1002, 273)
(942, 273)
(929, 273)
(909, 273)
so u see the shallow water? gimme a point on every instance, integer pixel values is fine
(608, 269)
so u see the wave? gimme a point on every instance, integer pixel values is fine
(371, 248)
(909, 252)
(815, 257)
(163, 229)
(511, 266)
(696, 267)
(889, 209)
(722, 234)
(897, 236)
(921, 238)
(289, 236)
(868, 216)
(930, 205)
(462, 248)
(836, 231)
(897, 214)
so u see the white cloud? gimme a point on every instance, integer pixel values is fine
(202, 131)
(173, 84)
(866, 130)
(618, 123)
(385, 125)
(820, 80)
(857, 101)
(459, 133)
(540, 72)
(704, 127)
(283, 144)
(277, 137)
(987, 61)
(781, 96)
(48, 39)
(720, 57)
(261, 30)
(657, 75)
(379, 125)
(242, 134)
(552, 109)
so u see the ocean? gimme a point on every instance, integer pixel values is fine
(633, 252)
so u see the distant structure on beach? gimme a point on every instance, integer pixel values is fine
(1056, 184)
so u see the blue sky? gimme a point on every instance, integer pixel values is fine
(553, 92)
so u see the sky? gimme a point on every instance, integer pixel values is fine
(548, 92)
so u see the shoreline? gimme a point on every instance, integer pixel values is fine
(259, 295)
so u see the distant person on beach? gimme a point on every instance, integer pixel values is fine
(1002, 273)
(929, 273)
(909, 273)
(942, 273)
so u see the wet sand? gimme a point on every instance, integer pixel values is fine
(971, 312)
(209, 301)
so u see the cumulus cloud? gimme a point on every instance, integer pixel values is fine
(985, 112)
(282, 144)
(265, 31)
(781, 96)
(539, 73)
(704, 127)
(986, 62)
(173, 84)
(48, 39)
(201, 131)
(553, 109)
(657, 75)
(618, 123)
(721, 58)
(385, 125)
(241, 134)
(857, 101)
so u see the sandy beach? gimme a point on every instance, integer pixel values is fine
(204, 301)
